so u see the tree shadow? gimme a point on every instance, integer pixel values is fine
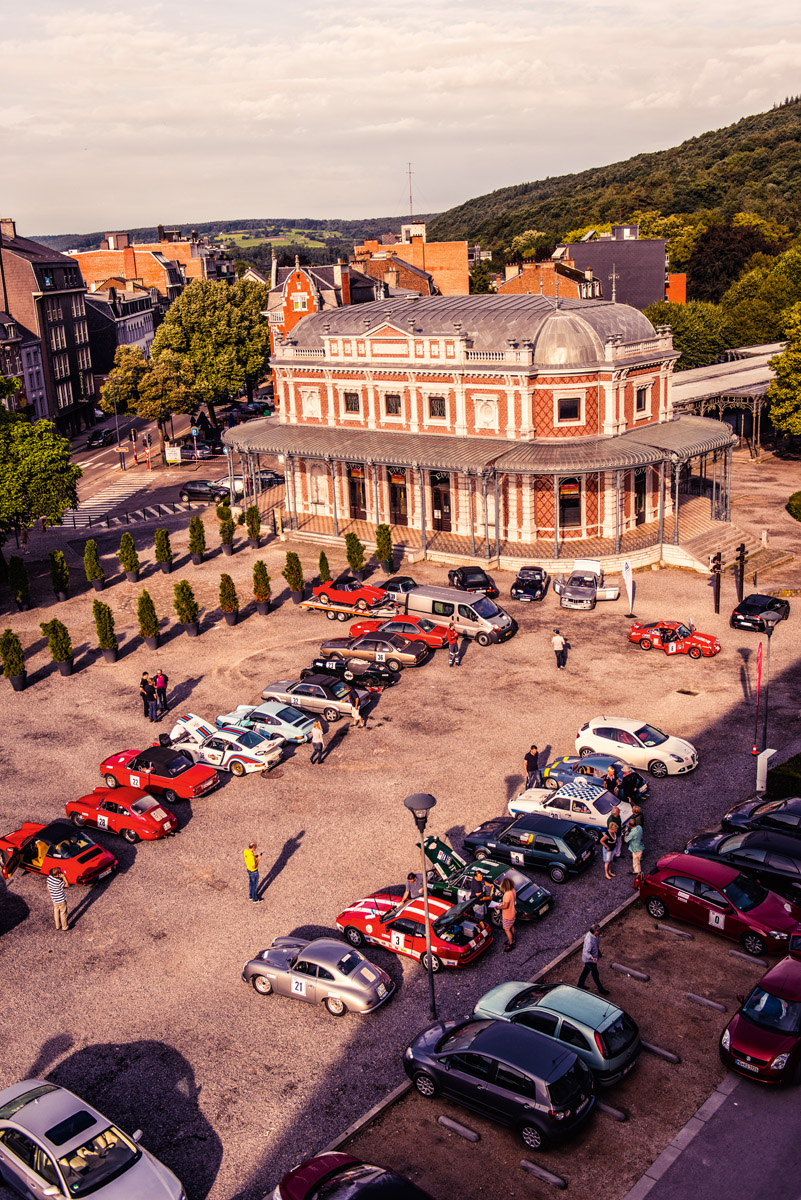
(13, 909)
(290, 846)
(49, 668)
(133, 643)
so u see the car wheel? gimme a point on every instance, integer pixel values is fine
(78, 820)
(496, 917)
(262, 985)
(305, 673)
(394, 665)
(323, 598)
(483, 639)
(558, 874)
(657, 908)
(551, 783)
(752, 943)
(131, 836)
(480, 855)
(585, 751)
(333, 616)
(238, 769)
(335, 1006)
(532, 1137)
(425, 1085)
(361, 605)
(170, 796)
(436, 965)
(694, 652)
(183, 497)
(112, 781)
(331, 715)
(645, 643)
(657, 768)
(354, 936)
(341, 616)
(347, 675)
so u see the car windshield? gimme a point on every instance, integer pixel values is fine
(568, 1088)
(529, 892)
(290, 715)
(250, 740)
(524, 999)
(604, 803)
(143, 805)
(745, 893)
(771, 807)
(98, 1161)
(177, 766)
(772, 1012)
(731, 843)
(339, 689)
(13, 1106)
(649, 735)
(583, 581)
(683, 631)
(426, 626)
(485, 607)
(348, 964)
(462, 1039)
(619, 1034)
(397, 640)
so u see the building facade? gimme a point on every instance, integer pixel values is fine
(630, 269)
(445, 262)
(550, 278)
(121, 314)
(297, 292)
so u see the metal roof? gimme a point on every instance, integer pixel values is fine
(743, 376)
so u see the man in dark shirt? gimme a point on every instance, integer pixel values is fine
(480, 894)
(532, 767)
(628, 786)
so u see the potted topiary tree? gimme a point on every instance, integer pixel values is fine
(227, 534)
(186, 607)
(148, 621)
(354, 552)
(323, 568)
(129, 559)
(197, 540)
(13, 659)
(383, 547)
(293, 574)
(104, 624)
(261, 587)
(91, 564)
(253, 522)
(60, 644)
(229, 601)
(19, 583)
(59, 574)
(163, 551)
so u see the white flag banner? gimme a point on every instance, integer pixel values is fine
(628, 581)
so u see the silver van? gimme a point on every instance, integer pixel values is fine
(477, 616)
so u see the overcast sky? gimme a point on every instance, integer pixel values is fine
(179, 112)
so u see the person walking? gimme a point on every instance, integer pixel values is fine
(160, 682)
(453, 645)
(560, 649)
(317, 742)
(508, 913)
(149, 689)
(413, 889)
(56, 883)
(590, 954)
(635, 841)
(252, 860)
(608, 842)
(355, 709)
(614, 827)
(142, 692)
(531, 760)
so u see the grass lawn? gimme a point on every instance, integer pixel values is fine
(293, 238)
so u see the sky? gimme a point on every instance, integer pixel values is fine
(183, 112)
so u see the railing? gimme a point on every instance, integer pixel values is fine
(300, 353)
(484, 355)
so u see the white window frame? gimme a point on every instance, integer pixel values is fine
(300, 302)
(648, 386)
(579, 394)
(359, 416)
(428, 395)
(349, 413)
(395, 418)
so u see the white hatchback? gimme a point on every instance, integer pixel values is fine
(580, 802)
(638, 743)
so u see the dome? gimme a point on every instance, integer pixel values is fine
(565, 339)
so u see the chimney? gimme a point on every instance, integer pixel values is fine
(160, 232)
(344, 270)
(129, 262)
(273, 271)
(391, 278)
(512, 269)
(7, 227)
(410, 299)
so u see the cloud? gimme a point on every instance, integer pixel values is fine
(175, 111)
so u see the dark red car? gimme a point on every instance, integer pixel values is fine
(159, 769)
(674, 637)
(350, 592)
(416, 629)
(337, 1176)
(721, 899)
(763, 1039)
(128, 811)
(38, 848)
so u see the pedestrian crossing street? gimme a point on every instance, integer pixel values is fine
(95, 510)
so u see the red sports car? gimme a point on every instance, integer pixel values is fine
(37, 848)
(350, 592)
(384, 920)
(416, 629)
(159, 769)
(763, 1039)
(674, 637)
(128, 811)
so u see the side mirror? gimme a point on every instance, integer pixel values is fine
(741, 997)
(137, 1136)
(52, 1191)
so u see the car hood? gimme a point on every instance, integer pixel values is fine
(281, 686)
(674, 745)
(773, 913)
(706, 843)
(742, 812)
(148, 1179)
(489, 828)
(278, 956)
(494, 1003)
(748, 1038)
(707, 639)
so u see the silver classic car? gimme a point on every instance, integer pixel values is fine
(325, 971)
(584, 586)
(316, 694)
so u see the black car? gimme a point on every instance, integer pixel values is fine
(561, 848)
(531, 584)
(780, 816)
(375, 677)
(511, 1074)
(750, 613)
(203, 489)
(473, 579)
(397, 587)
(773, 859)
(99, 437)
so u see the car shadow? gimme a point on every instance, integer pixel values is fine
(290, 846)
(91, 897)
(13, 909)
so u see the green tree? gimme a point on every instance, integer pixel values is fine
(718, 258)
(38, 481)
(91, 561)
(104, 624)
(481, 281)
(197, 536)
(146, 615)
(253, 522)
(784, 392)
(120, 392)
(129, 559)
(227, 529)
(700, 330)
(261, 582)
(19, 582)
(323, 568)
(755, 305)
(9, 385)
(354, 552)
(293, 572)
(229, 600)
(185, 604)
(383, 545)
(58, 640)
(12, 654)
(167, 388)
(59, 572)
(163, 547)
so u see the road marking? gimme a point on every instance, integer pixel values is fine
(97, 506)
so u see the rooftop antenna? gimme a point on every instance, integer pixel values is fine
(614, 277)
(410, 173)
(556, 289)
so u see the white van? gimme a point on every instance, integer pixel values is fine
(477, 616)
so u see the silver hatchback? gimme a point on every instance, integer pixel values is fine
(324, 971)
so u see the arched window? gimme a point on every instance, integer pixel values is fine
(569, 504)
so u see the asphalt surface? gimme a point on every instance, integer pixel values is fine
(141, 1008)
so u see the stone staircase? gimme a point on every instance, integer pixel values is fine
(726, 538)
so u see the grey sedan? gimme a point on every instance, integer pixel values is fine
(317, 694)
(390, 648)
(324, 971)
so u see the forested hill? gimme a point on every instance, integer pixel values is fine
(751, 166)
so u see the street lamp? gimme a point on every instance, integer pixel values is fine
(420, 805)
(771, 621)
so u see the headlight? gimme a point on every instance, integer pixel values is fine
(677, 758)
(408, 1053)
(779, 1061)
(780, 937)
(725, 1041)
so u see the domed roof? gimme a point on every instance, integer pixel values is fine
(565, 339)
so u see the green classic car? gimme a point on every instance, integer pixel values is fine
(450, 877)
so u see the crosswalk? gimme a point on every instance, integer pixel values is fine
(94, 510)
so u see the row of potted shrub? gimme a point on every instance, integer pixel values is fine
(186, 609)
(354, 552)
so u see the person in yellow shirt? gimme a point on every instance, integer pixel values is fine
(252, 860)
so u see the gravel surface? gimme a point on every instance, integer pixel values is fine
(141, 1007)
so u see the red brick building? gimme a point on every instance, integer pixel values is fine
(550, 278)
(296, 292)
(444, 263)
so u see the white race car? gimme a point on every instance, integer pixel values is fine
(581, 802)
(239, 751)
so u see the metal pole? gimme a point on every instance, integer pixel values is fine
(661, 502)
(729, 457)
(769, 632)
(430, 972)
(375, 490)
(290, 492)
(334, 494)
(556, 516)
(422, 507)
(617, 512)
(677, 473)
(486, 515)
(497, 517)
(714, 513)
(471, 491)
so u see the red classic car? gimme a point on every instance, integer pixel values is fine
(350, 592)
(416, 629)
(128, 811)
(674, 637)
(384, 920)
(159, 769)
(38, 848)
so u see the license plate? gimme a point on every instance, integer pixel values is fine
(167, 825)
(381, 989)
(542, 909)
(103, 874)
(746, 1066)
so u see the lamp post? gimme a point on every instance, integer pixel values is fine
(771, 620)
(420, 805)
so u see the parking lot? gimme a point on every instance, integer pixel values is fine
(141, 1007)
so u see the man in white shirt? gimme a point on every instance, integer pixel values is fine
(559, 647)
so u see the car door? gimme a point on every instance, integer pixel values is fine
(399, 935)
(303, 981)
(213, 751)
(576, 1039)
(106, 816)
(715, 912)
(380, 649)
(540, 1022)
(513, 1094)
(469, 1081)
(9, 860)
(679, 896)
(27, 1164)
(630, 748)
(140, 774)
(582, 814)
(783, 874)
(515, 848)
(305, 695)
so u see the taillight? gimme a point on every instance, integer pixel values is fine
(599, 1042)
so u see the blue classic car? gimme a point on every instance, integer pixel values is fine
(271, 716)
(592, 769)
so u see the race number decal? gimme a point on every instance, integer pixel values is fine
(134, 781)
(294, 700)
(517, 858)
(397, 941)
(683, 896)
(672, 648)
(102, 821)
(298, 986)
(380, 656)
(717, 920)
